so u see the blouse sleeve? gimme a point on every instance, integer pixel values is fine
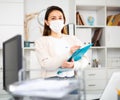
(44, 58)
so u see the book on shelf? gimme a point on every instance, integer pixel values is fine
(110, 19)
(119, 23)
(116, 20)
(113, 20)
(96, 37)
(79, 19)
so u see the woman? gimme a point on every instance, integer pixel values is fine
(55, 47)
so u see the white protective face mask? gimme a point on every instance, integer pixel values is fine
(57, 25)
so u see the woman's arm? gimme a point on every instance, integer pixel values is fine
(80, 64)
(83, 62)
(46, 61)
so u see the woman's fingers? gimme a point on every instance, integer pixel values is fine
(68, 64)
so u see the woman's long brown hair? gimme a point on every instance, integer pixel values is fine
(47, 30)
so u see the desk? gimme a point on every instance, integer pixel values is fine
(8, 96)
(69, 97)
(89, 96)
(5, 95)
(48, 89)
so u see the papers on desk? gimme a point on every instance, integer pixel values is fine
(65, 72)
(43, 88)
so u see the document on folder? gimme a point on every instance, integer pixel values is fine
(77, 55)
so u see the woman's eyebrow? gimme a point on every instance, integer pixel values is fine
(52, 16)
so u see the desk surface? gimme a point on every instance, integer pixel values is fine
(6, 96)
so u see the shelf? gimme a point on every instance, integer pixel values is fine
(111, 10)
(113, 57)
(89, 7)
(99, 55)
(98, 47)
(113, 47)
(29, 48)
(95, 68)
(96, 12)
(88, 26)
(89, 3)
(112, 36)
(113, 3)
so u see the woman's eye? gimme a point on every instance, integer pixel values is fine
(53, 18)
(60, 18)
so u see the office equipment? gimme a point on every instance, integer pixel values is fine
(45, 88)
(65, 72)
(77, 55)
(110, 92)
(12, 60)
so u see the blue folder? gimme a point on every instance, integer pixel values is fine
(77, 55)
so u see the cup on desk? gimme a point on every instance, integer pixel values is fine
(29, 44)
(26, 44)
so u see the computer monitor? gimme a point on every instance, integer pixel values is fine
(12, 60)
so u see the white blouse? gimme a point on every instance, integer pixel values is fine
(51, 52)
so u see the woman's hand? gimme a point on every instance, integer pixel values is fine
(71, 63)
(74, 48)
(68, 64)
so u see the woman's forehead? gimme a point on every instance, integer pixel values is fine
(55, 13)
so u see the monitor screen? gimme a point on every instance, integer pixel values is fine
(12, 60)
